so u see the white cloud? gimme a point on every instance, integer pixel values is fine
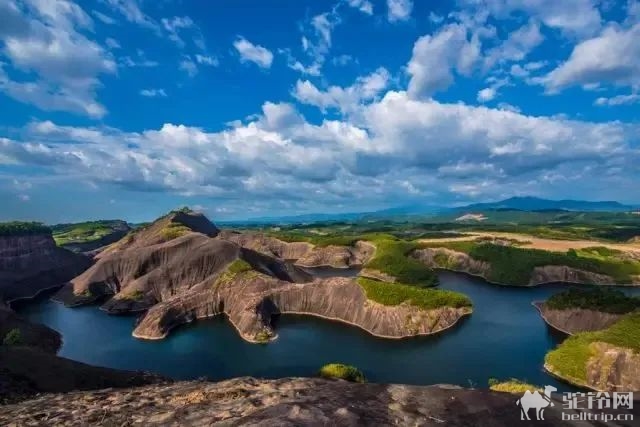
(613, 57)
(516, 47)
(112, 43)
(399, 10)
(153, 93)
(132, 12)
(486, 94)
(47, 41)
(104, 18)
(435, 56)
(632, 98)
(207, 60)
(343, 60)
(24, 197)
(257, 54)
(188, 66)
(363, 6)
(347, 99)
(174, 25)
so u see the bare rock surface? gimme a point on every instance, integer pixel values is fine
(32, 263)
(283, 402)
(575, 320)
(303, 253)
(31, 334)
(251, 299)
(562, 273)
(613, 368)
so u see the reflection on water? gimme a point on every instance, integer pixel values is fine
(504, 337)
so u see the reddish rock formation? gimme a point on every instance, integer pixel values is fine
(575, 320)
(250, 299)
(32, 263)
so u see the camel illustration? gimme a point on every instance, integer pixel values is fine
(535, 400)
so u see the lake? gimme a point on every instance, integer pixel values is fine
(503, 338)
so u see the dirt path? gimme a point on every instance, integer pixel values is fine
(541, 243)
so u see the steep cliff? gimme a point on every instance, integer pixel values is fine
(575, 320)
(286, 402)
(303, 253)
(250, 299)
(459, 261)
(30, 334)
(31, 263)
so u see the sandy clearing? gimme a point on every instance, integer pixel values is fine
(541, 243)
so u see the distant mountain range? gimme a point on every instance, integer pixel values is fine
(537, 204)
(513, 203)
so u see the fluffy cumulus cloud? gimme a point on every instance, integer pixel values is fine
(46, 41)
(435, 57)
(395, 146)
(250, 52)
(611, 57)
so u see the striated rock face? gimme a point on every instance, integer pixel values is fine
(283, 402)
(32, 263)
(250, 300)
(452, 260)
(576, 320)
(561, 273)
(303, 253)
(141, 276)
(613, 368)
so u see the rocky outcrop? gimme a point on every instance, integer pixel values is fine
(30, 264)
(251, 299)
(564, 274)
(461, 262)
(303, 253)
(26, 371)
(575, 320)
(285, 402)
(377, 275)
(452, 260)
(31, 334)
(613, 368)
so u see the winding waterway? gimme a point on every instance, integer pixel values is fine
(503, 338)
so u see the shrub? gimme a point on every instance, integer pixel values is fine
(426, 298)
(20, 228)
(512, 386)
(600, 299)
(393, 257)
(174, 230)
(13, 337)
(343, 372)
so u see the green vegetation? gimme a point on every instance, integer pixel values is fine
(22, 228)
(343, 372)
(570, 358)
(85, 232)
(263, 337)
(392, 257)
(13, 337)
(239, 266)
(136, 295)
(174, 230)
(514, 266)
(513, 385)
(425, 298)
(600, 299)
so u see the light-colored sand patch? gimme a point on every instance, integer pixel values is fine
(542, 243)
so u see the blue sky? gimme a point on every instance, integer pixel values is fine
(129, 108)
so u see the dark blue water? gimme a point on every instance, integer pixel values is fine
(505, 337)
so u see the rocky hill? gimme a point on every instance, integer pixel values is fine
(89, 236)
(286, 402)
(31, 262)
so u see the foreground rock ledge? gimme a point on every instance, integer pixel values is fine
(282, 402)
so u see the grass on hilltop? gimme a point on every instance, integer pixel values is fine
(570, 358)
(393, 294)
